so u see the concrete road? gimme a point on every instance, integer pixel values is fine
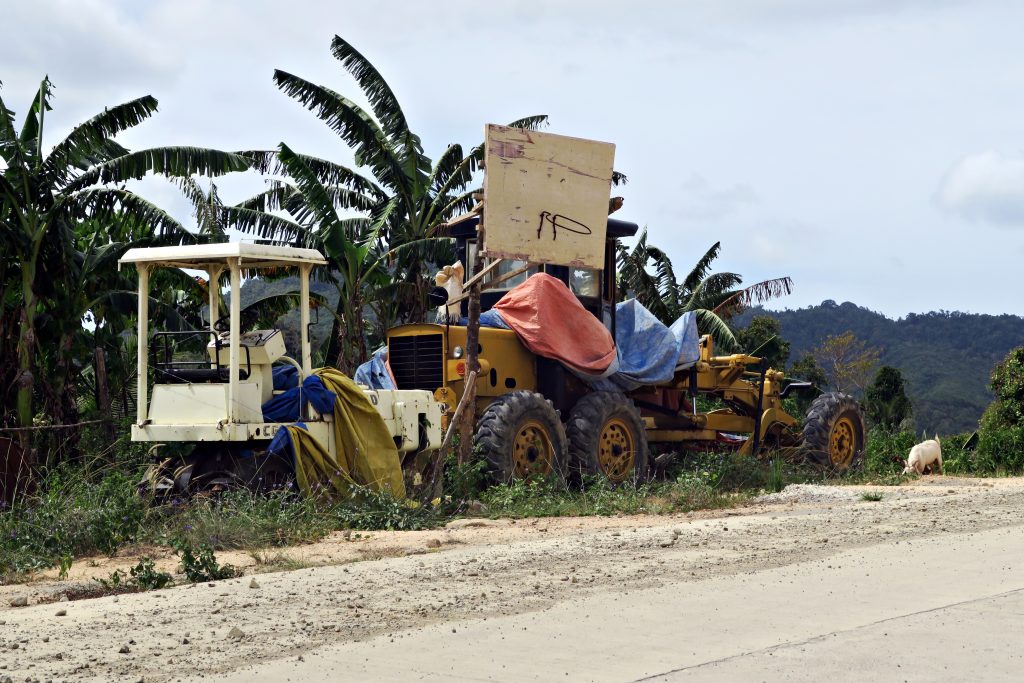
(942, 608)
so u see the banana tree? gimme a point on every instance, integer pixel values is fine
(714, 297)
(405, 196)
(46, 196)
(378, 226)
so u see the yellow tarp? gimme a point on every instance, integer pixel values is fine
(367, 455)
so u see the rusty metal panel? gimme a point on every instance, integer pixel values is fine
(546, 197)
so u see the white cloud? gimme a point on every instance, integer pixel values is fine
(988, 187)
(699, 200)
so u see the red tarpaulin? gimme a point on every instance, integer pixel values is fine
(552, 323)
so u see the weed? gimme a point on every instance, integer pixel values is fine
(776, 476)
(69, 515)
(596, 496)
(873, 496)
(241, 520)
(278, 561)
(142, 577)
(201, 565)
(369, 509)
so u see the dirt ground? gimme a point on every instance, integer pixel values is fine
(352, 587)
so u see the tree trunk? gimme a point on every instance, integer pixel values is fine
(26, 348)
(103, 391)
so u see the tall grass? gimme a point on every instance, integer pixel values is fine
(997, 451)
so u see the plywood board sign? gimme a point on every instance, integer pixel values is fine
(546, 197)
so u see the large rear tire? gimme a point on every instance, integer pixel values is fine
(607, 438)
(521, 436)
(834, 432)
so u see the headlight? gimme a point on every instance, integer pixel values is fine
(457, 352)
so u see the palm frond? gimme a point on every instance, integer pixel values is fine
(702, 268)
(274, 198)
(461, 204)
(327, 172)
(754, 294)
(386, 108)
(712, 290)
(203, 206)
(127, 215)
(346, 118)
(451, 172)
(379, 218)
(708, 322)
(266, 226)
(316, 197)
(81, 145)
(31, 127)
(383, 101)
(169, 161)
(535, 122)
(9, 146)
(445, 168)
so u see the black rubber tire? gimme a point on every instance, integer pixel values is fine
(502, 422)
(827, 411)
(586, 425)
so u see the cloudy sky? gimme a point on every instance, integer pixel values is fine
(871, 149)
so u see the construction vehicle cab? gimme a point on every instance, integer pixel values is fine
(207, 388)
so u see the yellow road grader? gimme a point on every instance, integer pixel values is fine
(538, 418)
(545, 209)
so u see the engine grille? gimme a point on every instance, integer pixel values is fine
(417, 361)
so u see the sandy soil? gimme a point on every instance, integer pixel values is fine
(388, 582)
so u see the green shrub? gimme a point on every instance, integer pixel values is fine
(372, 510)
(596, 496)
(242, 520)
(142, 577)
(464, 482)
(999, 451)
(68, 516)
(200, 564)
(885, 452)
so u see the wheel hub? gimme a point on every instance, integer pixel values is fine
(532, 452)
(616, 450)
(842, 443)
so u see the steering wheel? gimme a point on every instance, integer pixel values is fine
(247, 318)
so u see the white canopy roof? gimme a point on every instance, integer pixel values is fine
(199, 256)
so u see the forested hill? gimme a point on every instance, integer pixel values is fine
(946, 357)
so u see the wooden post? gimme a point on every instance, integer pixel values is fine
(433, 489)
(468, 421)
(472, 354)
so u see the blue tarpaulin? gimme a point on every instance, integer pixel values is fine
(650, 353)
(281, 444)
(286, 407)
(647, 350)
(491, 318)
(285, 377)
(374, 372)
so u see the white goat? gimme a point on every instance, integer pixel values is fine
(924, 455)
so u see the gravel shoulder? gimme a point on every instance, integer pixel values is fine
(386, 583)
